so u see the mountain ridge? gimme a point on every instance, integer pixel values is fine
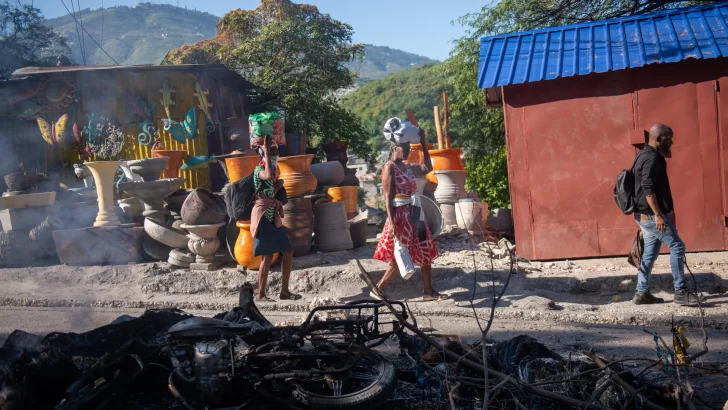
(144, 33)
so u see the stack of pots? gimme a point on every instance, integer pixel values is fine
(300, 182)
(449, 175)
(331, 227)
(298, 220)
(336, 151)
(203, 214)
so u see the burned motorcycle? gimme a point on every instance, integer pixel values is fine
(239, 360)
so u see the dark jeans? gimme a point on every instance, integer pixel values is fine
(653, 240)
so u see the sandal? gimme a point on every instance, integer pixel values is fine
(264, 299)
(290, 296)
(434, 295)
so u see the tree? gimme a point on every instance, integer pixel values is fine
(25, 41)
(483, 128)
(295, 54)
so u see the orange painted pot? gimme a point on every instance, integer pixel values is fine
(347, 195)
(415, 156)
(244, 248)
(296, 174)
(175, 161)
(445, 160)
(240, 167)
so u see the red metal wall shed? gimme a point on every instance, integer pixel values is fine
(568, 138)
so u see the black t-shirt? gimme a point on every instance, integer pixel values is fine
(650, 177)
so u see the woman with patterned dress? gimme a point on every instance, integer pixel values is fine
(398, 181)
(266, 225)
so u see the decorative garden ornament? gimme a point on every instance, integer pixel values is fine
(144, 112)
(205, 106)
(103, 172)
(109, 139)
(153, 193)
(91, 131)
(203, 243)
(55, 132)
(185, 130)
(167, 97)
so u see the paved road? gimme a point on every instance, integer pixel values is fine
(608, 340)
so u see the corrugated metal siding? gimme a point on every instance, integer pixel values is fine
(665, 37)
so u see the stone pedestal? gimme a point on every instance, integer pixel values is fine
(103, 172)
(203, 243)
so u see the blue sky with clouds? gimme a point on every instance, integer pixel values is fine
(417, 26)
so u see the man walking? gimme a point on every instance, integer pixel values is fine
(655, 216)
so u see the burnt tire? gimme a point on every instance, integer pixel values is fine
(367, 398)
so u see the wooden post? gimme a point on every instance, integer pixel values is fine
(447, 120)
(411, 117)
(438, 127)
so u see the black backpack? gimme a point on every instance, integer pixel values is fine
(624, 194)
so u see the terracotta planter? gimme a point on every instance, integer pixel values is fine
(298, 220)
(469, 215)
(244, 248)
(444, 160)
(450, 187)
(239, 167)
(350, 179)
(296, 174)
(416, 156)
(336, 151)
(175, 161)
(202, 207)
(347, 195)
(150, 169)
(153, 193)
(331, 227)
(103, 172)
(330, 173)
(203, 241)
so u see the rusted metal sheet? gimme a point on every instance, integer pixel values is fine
(567, 140)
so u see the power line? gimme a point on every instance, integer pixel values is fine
(80, 18)
(98, 56)
(80, 44)
(91, 37)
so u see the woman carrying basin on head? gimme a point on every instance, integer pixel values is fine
(398, 185)
(266, 226)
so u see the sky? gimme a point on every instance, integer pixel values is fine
(417, 26)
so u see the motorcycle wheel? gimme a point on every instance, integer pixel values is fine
(380, 374)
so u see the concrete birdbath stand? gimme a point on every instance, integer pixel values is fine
(152, 193)
(150, 169)
(203, 243)
(103, 172)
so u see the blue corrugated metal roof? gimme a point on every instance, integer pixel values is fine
(600, 46)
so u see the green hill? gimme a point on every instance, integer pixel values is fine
(420, 89)
(143, 34)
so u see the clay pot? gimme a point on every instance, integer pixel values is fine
(175, 161)
(336, 151)
(203, 241)
(469, 215)
(296, 174)
(202, 207)
(22, 181)
(243, 250)
(331, 227)
(328, 173)
(240, 167)
(298, 220)
(350, 179)
(165, 234)
(347, 195)
(150, 169)
(433, 216)
(450, 187)
(415, 155)
(358, 231)
(448, 215)
(444, 160)
(174, 202)
(103, 172)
